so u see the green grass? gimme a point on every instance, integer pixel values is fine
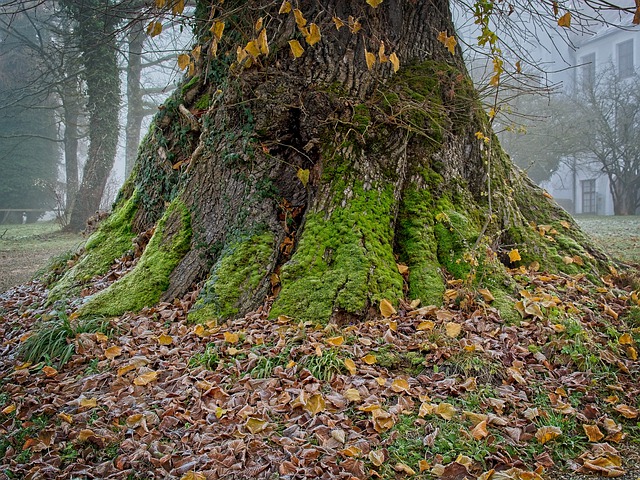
(39, 235)
(208, 359)
(618, 236)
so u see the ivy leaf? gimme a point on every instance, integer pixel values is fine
(217, 29)
(449, 42)
(285, 7)
(302, 174)
(263, 44)
(565, 20)
(374, 3)
(296, 48)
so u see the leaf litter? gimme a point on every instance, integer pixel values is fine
(419, 392)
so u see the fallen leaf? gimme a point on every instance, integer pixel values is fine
(374, 3)
(351, 451)
(296, 48)
(453, 329)
(165, 339)
(626, 411)
(425, 326)
(369, 359)
(403, 467)
(486, 295)
(514, 255)
(350, 366)
(548, 433)
(335, 341)
(230, 337)
(256, 425)
(402, 268)
(191, 475)
(9, 409)
(315, 404)
(88, 402)
(446, 410)
(480, 430)
(625, 339)
(113, 352)
(376, 457)
(352, 395)
(145, 378)
(386, 309)
(400, 385)
(593, 432)
(49, 371)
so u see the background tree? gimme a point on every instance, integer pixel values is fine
(307, 153)
(604, 116)
(28, 149)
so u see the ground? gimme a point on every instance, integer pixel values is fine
(424, 392)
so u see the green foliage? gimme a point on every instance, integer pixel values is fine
(208, 359)
(52, 340)
(324, 366)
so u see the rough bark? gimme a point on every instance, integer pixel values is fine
(71, 108)
(396, 174)
(135, 108)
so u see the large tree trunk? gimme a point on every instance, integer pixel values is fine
(135, 107)
(71, 108)
(97, 40)
(396, 175)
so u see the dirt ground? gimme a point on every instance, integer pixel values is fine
(24, 249)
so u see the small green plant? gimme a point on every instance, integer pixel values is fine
(69, 453)
(265, 365)
(51, 341)
(325, 366)
(208, 359)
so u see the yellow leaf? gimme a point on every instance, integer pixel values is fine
(486, 294)
(315, 404)
(231, 337)
(352, 395)
(351, 451)
(88, 402)
(199, 330)
(449, 42)
(625, 339)
(296, 48)
(402, 268)
(154, 29)
(382, 57)
(370, 59)
(395, 61)
(445, 410)
(336, 341)
(165, 339)
(300, 20)
(480, 430)
(403, 467)
(426, 409)
(49, 371)
(145, 378)
(374, 3)
(386, 309)
(263, 44)
(427, 325)
(350, 365)
(423, 465)
(255, 425)
(217, 29)
(252, 48)
(593, 432)
(195, 53)
(565, 224)
(220, 412)
(546, 434)
(191, 475)
(632, 353)
(303, 175)
(285, 7)
(101, 337)
(453, 329)
(314, 34)
(85, 434)
(9, 409)
(626, 411)
(258, 26)
(113, 352)
(381, 381)
(354, 25)
(514, 255)
(565, 20)
(177, 7)
(65, 417)
(612, 313)
(370, 359)
(400, 385)
(161, 4)
(567, 260)
(376, 457)
(339, 23)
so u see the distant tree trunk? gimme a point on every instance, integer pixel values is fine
(310, 179)
(135, 107)
(71, 109)
(97, 41)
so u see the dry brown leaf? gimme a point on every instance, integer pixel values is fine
(593, 432)
(453, 329)
(626, 411)
(402, 268)
(192, 475)
(548, 433)
(88, 402)
(480, 431)
(400, 385)
(386, 309)
(113, 352)
(145, 378)
(351, 451)
(315, 404)
(446, 410)
(49, 371)
(256, 425)
(350, 366)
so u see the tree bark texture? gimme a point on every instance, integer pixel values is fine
(135, 108)
(310, 179)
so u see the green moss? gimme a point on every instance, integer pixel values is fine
(187, 86)
(203, 102)
(418, 248)
(361, 117)
(455, 235)
(344, 260)
(144, 285)
(110, 242)
(234, 278)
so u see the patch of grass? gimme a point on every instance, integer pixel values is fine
(325, 366)
(208, 359)
(619, 236)
(51, 342)
(265, 365)
(474, 364)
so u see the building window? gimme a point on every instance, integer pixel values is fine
(588, 69)
(625, 59)
(589, 197)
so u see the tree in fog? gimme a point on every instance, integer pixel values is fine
(29, 151)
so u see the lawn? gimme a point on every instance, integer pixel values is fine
(619, 236)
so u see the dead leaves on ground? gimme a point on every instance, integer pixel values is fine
(135, 394)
